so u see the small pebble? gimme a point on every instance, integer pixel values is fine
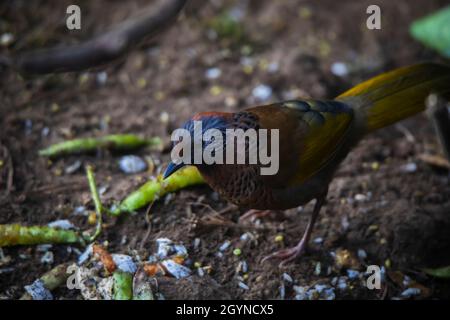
(82, 258)
(132, 164)
(47, 258)
(318, 240)
(362, 254)
(45, 131)
(352, 274)
(164, 247)
(101, 78)
(244, 267)
(213, 73)
(360, 197)
(62, 224)
(177, 270)
(287, 277)
(318, 269)
(74, 167)
(410, 292)
(409, 167)
(225, 245)
(196, 243)
(282, 292)
(44, 247)
(339, 69)
(124, 263)
(6, 39)
(243, 285)
(38, 291)
(80, 211)
(262, 92)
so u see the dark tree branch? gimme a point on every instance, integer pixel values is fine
(101, 49)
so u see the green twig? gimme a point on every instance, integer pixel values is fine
(120, 142)
(98, 205)
(156, 188)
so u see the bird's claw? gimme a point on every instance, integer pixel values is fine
(287, 255)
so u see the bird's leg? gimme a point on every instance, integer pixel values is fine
(290, 254)
(254, 214)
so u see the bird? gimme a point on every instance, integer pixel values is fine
(315, 136)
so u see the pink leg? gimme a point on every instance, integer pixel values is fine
(254, 214)
(289, 254)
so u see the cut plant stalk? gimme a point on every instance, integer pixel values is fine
(117, 142)
(15, 234)
(52, 279)
(157, 188)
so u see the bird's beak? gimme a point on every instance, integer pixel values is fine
(172, 168)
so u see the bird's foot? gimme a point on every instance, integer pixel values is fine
(289, 254)
(254, 214)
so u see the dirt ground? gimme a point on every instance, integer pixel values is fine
(384, 202)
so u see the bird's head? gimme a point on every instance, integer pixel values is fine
(189, 141)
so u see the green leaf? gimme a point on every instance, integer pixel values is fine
(434, 31)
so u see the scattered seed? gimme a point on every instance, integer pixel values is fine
(279, 238)
(237, 252)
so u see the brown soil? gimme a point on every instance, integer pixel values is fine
(403, 223)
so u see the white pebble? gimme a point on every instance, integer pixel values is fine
(243, 285)
(287, 277)
(177, 270)
(47, 258)
(262, 92)
(124, 263)
(225, 245)
(410, 292)
(132, 164)
(360, 197)
(213, 73)
(62, 224)
(38, 291)
(409, 167)
(339, 69)
(362, 254)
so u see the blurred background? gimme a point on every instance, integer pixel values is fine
(386, 206)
